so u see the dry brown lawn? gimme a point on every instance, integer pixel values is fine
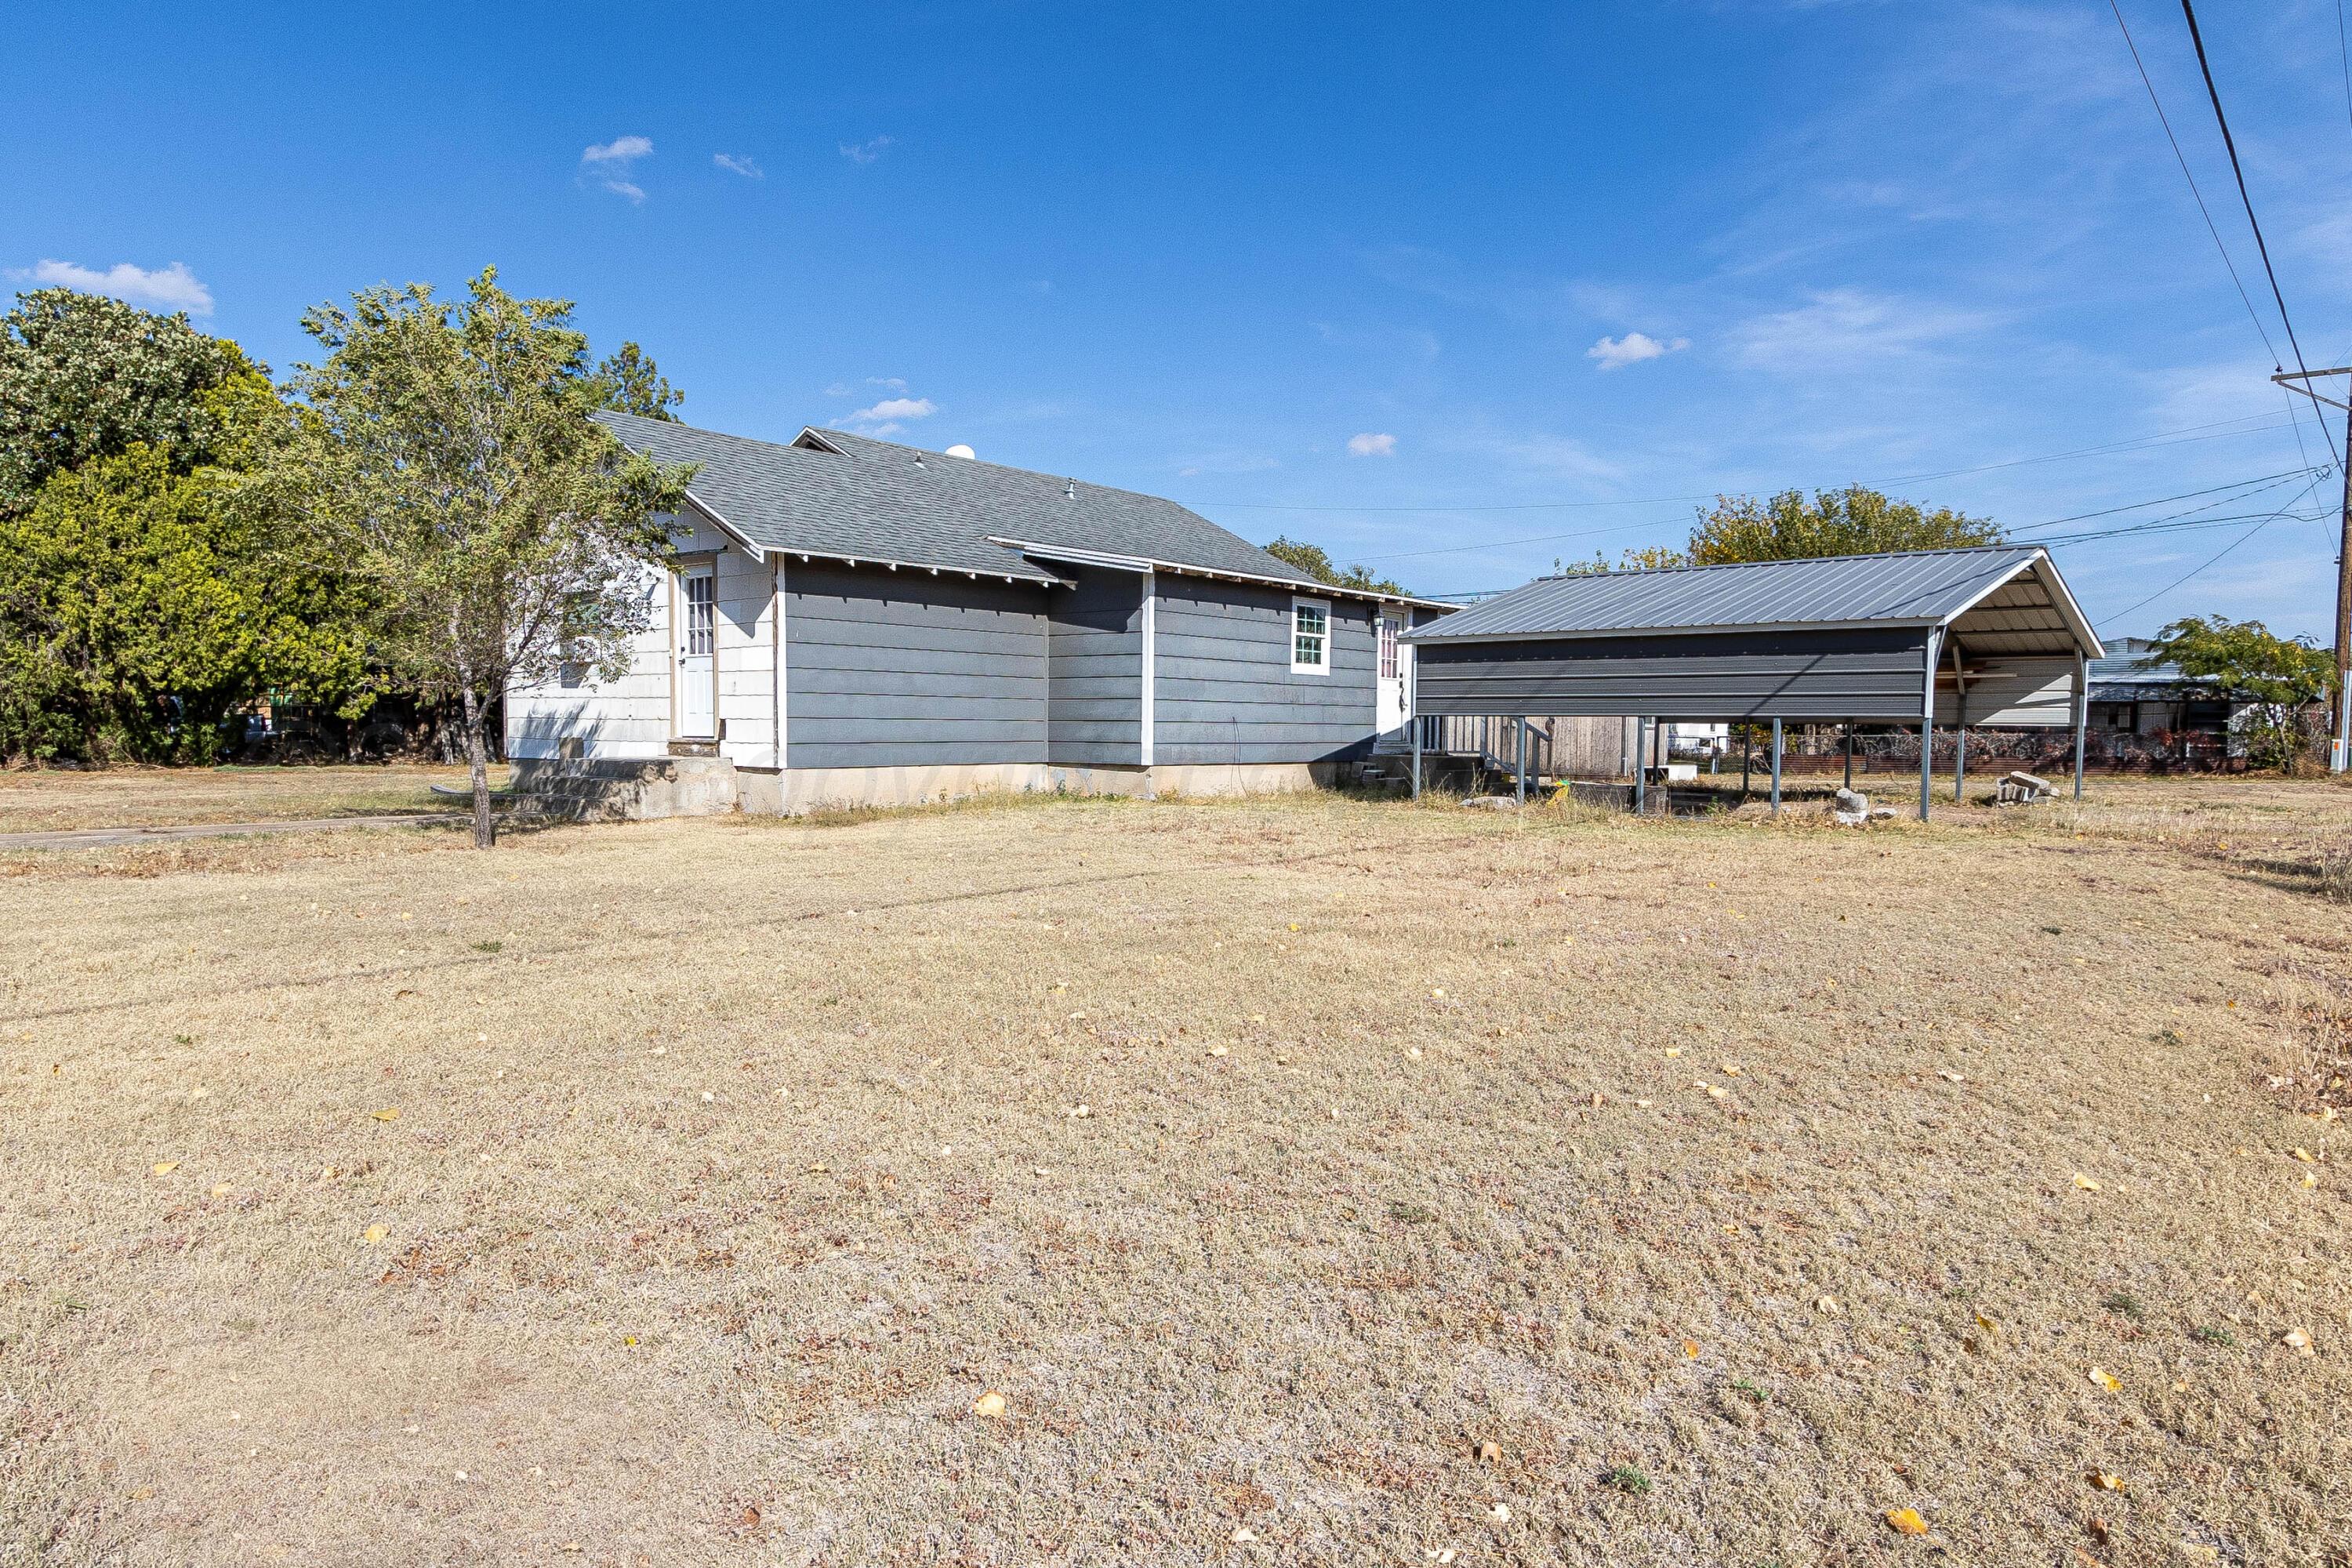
(38, 800)
(1313, 1181)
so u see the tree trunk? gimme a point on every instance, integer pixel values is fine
(477, 755)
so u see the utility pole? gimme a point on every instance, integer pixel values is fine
(2339, 744)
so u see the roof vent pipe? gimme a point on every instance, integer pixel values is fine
(918, 460)
(1070, 489)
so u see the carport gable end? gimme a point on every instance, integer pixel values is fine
(1983, 636)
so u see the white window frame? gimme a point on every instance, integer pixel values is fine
(1323, 609)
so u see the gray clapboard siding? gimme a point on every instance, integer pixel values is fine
(1095, 679)
(896, 669)
(1873, 673)
(1224, 690)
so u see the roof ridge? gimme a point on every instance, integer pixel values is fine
(1011, 469)
(1792, 561)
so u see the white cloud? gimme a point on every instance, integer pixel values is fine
(1850, 327)
(895, 383)
(1370, 445)
(173, 288)
(1616, 354)
(741, 164)
(866, 152)
(609, 164)
(885, 418)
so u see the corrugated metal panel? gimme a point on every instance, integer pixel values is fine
(1915, 587)
(1869, 673)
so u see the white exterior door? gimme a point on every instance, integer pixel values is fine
(697, 690)
(1395, 665)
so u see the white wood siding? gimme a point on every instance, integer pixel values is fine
(631, 717)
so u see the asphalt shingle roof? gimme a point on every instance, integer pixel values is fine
(877, 500)
(1912, 587)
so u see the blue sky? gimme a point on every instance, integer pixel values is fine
(1399, 279)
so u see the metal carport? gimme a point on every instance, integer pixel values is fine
(1986, 636)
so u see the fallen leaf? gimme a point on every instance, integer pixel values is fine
(373, 1234)
(1243, 1535)
(1673, 1050)
(389, 1114)
(1986, 1324)
(2106, 1380)
(223, 1190)
(1950, 1077)
(1907, 1520)
(2085, 1183)
(1828, 1306)
(166, 1167)
(1489, 1453)
(1217, 1050)
(1596, 1097)
(2298, 1341)
(2304, 1156)
(1690, 1349)
(1500, 1513)
(2104, 1481)
(990, 1405)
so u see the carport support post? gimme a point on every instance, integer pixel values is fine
(1775, 767)
(2083, 710)
(1415, 723)
(1961, 763)
(1927, 728)
(1641, 763)
(1522, 770)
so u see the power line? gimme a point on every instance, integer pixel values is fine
(2343, 51)
(2238, 173)
(2249, 424)
(2240, 485)
(2212, 560)
(2211, 227)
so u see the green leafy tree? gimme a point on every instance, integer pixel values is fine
(2279, 677)
(1855, 521)
(1315, 562)
(627, 382)
(152, 606)
(83, 376)
(147, 591)
(446, 447)
(1647, 558)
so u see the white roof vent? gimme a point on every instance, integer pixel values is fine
(960, 450)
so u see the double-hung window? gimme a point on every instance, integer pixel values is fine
(1310, 636)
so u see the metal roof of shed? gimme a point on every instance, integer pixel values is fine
(2012, 595)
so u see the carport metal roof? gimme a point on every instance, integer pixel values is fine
(2011, 597)
(1984, 636)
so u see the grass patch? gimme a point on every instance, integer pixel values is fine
(716, 1214)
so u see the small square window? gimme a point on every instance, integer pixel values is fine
(1310, 636)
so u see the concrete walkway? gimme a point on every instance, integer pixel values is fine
(102, 837)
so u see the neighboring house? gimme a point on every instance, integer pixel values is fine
(856, 622)
(2136, 702)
